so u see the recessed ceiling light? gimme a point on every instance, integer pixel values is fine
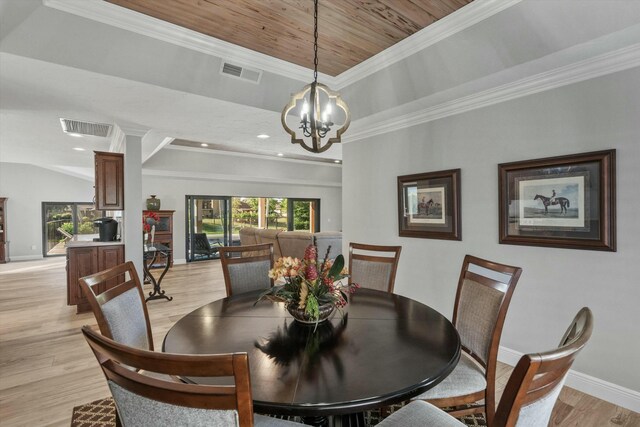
(280, 154)
(263, 136)
(75, 135)
(337, 161)
(204, 145)
(78, 148)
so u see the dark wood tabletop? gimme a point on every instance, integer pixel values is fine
(386, 349)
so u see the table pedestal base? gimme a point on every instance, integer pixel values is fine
(348, 420)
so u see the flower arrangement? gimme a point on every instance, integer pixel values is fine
(149, 219)
(310, 285)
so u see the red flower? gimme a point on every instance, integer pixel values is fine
(311, 272)
(310, 253)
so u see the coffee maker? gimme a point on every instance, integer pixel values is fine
(108, 228)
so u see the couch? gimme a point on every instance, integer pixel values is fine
(293, 243)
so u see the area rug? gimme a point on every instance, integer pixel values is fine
(102, 413)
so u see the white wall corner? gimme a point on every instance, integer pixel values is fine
(179, 261)
(618, 395)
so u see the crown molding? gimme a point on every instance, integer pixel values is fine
(117, 16)
(203, 176)
(110, 14)
(253, 156)
(461, 19)
(395, 119)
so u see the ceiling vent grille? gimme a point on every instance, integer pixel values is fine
(85, 128)
(241, 73)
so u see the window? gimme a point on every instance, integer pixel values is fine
(61, 221)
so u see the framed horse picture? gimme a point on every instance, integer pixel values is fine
(429, 205)
(562, 202)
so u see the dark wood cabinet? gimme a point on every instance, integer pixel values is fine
(164, 233)
(3, 231)
(109, 181)
(85, 260)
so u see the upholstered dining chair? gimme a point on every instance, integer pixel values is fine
(144, 401)
(530, 393)
(246, 268)
(120, 311)
(482, 299)
(373, 266)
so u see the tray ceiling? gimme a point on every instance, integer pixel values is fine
(350, 31)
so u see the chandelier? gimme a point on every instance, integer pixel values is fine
(317, 106)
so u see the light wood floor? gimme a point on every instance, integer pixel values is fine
(46, 368)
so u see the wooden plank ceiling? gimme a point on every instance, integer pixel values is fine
(350, 31)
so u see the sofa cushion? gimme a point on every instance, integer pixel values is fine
(293, 243)
(248, 236)
(324, 239)
(269, 236)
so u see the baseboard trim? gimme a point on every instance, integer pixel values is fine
(179, 261)
(618, 395)
(25, 258)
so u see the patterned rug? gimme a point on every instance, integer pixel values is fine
(102, 413)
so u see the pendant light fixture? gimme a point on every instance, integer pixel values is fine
(317, 106)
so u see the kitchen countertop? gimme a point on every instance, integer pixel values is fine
(75, 243)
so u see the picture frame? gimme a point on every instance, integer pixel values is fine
(562, 202)
(429, 205)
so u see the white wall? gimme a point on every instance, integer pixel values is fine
(172, 192)
(597, 114)
(27, 187)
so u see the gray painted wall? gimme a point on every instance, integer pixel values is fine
(594, 115)
(27, 187)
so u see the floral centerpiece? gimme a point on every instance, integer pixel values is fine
(149, 221)
(311, 290)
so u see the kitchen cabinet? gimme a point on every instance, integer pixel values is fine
(84, 259)
(109, 181)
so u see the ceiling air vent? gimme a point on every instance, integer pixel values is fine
(242, 73)
(85, 128)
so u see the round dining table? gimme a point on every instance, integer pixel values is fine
(381, 349)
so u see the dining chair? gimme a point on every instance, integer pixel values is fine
(373, 266)
(144, 401)
(482, 299)
(246, 268)
(120, 311)
(530, 393)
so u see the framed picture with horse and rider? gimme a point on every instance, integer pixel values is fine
(429, 205)
(563, 202)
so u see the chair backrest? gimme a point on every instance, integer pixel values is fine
(373, 266)
(537, 379)
(482, 299)
(121, 311)
(324, 239)
(143, 400)
(246, 268)
(294, 243)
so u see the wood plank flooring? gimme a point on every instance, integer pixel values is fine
(46, 367)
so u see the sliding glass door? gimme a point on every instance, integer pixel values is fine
(304, 215)
(208, 226)
(62, 221)
(214, 221)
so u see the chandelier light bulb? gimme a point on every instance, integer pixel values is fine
(316, 126)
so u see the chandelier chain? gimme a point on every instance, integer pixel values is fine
(315, 41)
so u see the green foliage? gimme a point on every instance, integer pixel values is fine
(68, 227)
(301, 216)
(86, 228)
(337, 267)
(312, 306)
